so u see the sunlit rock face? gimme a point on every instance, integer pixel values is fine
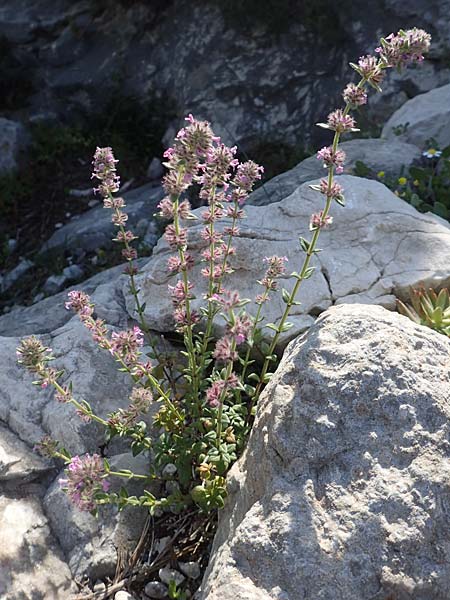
(342, 492)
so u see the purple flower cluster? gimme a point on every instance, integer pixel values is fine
(126, 344)
(332, 157)
(370, 69)
(320, 221)
(33, 355)
(354, 96)
(104, 169)
(198, 156)
(404, 48)
(85, 477)
(123, 344)
(276, 268)
(340, 122)
(218, 390)
(140, 402)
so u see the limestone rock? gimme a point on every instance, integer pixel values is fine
(31, 564)
(49, 314)
(13, 139)
(17, 463)
(93, 229)
(377, 247)
(376, 154)
(342, 492)
(31, 412)
(91, 543)
(256, 74)
(424, 117)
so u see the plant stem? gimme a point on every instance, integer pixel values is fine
(188, 336)
(311, 250)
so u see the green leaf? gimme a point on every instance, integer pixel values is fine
(271, 326)
(286, 296)
(309, 272)
(304, 244)
(254, 377)
(440, 209)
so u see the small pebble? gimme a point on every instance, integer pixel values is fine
(172, 487)
(162, 544)
(169, 470)
(167, 575)
(99, 587)
(190, 569)
(123, 595)
(73, 272)
(12, 245)
(156, 589)
(58, 225)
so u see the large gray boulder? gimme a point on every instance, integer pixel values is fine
(377, 154)
(93, 229)
(376, 249)
(424, 117)
(342, 492)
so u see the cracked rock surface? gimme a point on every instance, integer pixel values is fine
(343, 490)
(45, 541)
(377, 247)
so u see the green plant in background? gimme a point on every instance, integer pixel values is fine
(426, 185)
(428, 308)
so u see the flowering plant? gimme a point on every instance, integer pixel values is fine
(206, 404)
(425, 185)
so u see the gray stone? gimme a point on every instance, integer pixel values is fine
(123, 595)
(376, 249)
(49, 314)
(54, 284)
(93, 229)
(156, 589)
(266, 84)
(342, 491)
(377, 154)
(167, 575)
(155, 169)
(31, 412)
(31, 564)
(424, 117)
(13, 139)
(73, 272)
(90, 544)
(11, 278)
(18, 463)
(190, 569)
